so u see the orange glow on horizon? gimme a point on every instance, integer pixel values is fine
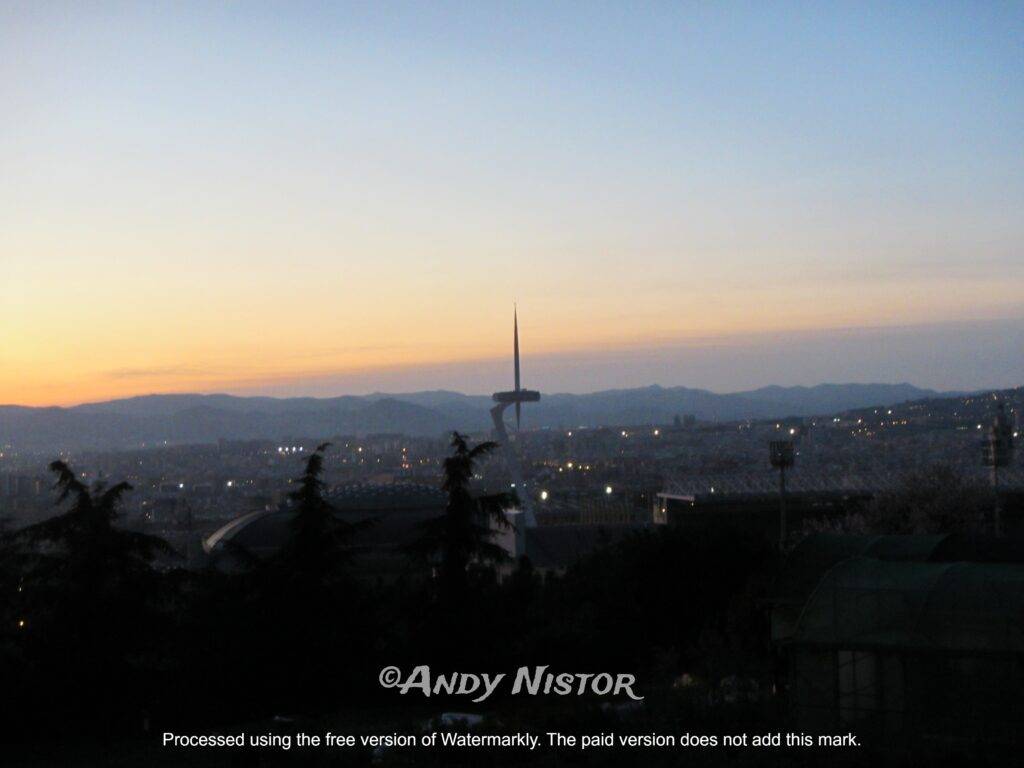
(51, 367)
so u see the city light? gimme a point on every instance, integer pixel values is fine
(608, 489)
(543, 495)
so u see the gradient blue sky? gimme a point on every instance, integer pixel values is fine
(321, 198)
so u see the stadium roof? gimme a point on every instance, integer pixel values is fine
(386, 497)
(395, 508)
(824, 481)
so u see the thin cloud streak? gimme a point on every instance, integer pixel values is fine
(969, 355)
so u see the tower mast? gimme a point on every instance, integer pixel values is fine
(503, 400)
(515, 342)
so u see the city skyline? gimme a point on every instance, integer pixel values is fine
(343, 199)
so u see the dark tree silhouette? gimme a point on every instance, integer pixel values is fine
(932, 499)
(935, 499)
(87, 545)
(87, 602)
(319, 547)
(11, 566)
(304, 604)
(463, 535)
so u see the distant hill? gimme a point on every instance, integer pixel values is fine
(189, 418)
(832, 398)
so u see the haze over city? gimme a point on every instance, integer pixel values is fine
(229, 197)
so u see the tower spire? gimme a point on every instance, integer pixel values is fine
(502, 401)
(515, 342)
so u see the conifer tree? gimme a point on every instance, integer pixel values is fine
(463, 535)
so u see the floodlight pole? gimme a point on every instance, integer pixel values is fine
(998, 452)
(782, 506)
(997, 512)
(781, 454)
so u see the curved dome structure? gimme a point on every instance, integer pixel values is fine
(865, 603)
(396, 510)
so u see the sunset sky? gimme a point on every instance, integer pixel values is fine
(305, 198)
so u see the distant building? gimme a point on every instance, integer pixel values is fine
(755, 510)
